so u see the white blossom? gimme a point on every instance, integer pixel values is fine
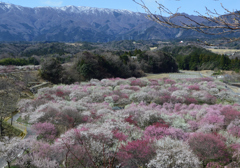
(214, 91)
(179, 94)
(174, 154)
(230, 139)
(109, 99)
(227, 95)
(140, 96)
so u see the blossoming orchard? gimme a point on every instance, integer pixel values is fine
(135, 122)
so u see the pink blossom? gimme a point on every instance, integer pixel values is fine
(169, 81)
(194, 87)
(46, 131)
(119, 135)
(153, 82)
(136, 153)
(208, 147)
(154, 132)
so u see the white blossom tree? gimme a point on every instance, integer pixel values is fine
(174, 154)
(9, 149)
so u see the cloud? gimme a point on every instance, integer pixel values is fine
(53, 3)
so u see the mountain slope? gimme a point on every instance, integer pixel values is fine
(71, 23)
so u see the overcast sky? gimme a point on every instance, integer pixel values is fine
(187, 6)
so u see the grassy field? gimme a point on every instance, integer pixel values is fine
(75, 44)
(168, 75)
(10, 131)
(156, 76)
(224, 51)
(153, 48)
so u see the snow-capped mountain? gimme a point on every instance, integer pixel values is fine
(90, 10)
(71, 23)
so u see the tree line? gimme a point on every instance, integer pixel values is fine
(101, 64)
(19, 61)
(196, 58)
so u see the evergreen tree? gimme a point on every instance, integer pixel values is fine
(52, 70)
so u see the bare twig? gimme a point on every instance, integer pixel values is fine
(214, 23)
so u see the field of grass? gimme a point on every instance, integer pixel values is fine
(224, 51)
(10, 131)
(173, 75)
(153, 48)
(156, 76)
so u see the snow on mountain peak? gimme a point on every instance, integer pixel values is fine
(7, 6)
(4, 5)
(93, 10)
(71, 9)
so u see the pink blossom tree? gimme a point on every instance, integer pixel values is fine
(230, 114)
(234, 128)
(154, 132)
(85, 149)
(209, 147)
(45, 131)
(136, 153)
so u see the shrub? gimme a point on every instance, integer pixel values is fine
(234, 128)
(136, 153)
(174, 154)
(161, 132)
(130, 120)
(214, 165)
(156, 121)
(169, 81)
(153, 82)
(230, 114)
(140, 96)
(208, 147)
(194, 87)
(163, 99)
(161, 123)
(138, 82)
(190, 100)
(155, 132)
(208, 79)
(46, 131)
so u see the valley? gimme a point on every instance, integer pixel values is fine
(85, 87)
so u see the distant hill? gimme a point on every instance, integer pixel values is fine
(71, 24)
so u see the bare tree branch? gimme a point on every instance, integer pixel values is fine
(213, 24)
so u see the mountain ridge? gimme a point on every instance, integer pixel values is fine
(9, 5)
(79, 23)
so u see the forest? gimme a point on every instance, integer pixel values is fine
(196, 58)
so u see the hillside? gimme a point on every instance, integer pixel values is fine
(117, 118)
(71, 24)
